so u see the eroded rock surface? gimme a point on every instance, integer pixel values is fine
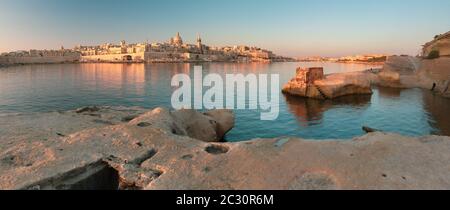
(27, 147)
(312, 83)
(397, 72)
(145, 153)
(412, 72)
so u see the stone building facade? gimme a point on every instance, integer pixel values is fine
(174, 50)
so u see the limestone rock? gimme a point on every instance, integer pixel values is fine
(224, 119)
(144, 154)
(312, 83)
(399, 71)
(413, 72)
(209, 127)
(402, 64)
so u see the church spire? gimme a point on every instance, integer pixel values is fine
(199, 43)
(199, 39)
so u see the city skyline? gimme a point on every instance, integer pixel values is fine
(289, 28)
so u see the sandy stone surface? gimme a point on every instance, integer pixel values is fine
(332, 86)
(154, 151)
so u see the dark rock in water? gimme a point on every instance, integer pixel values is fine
(87, 109)
(369, 130)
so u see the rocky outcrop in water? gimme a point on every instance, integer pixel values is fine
(397, 72)
(413, 72)
(312, 83)
(154, 151)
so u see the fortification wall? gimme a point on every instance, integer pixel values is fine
(161, 55)
(114, 57)
(38, 60)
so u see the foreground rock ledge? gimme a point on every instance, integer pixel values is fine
(151, 152)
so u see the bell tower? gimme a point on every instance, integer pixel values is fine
(199, 44)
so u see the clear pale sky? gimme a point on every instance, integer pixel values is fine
(288, 27)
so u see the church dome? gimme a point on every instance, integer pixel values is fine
(177, 39)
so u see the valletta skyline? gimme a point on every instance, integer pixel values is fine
(287, 27)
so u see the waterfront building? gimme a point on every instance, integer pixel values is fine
(175, 50)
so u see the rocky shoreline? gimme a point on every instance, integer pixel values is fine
(397, 72)
(134, 148)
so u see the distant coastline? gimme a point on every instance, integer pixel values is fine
(6, 65)
(172, 51)
(350, 62)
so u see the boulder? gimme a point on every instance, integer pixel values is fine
(399, 72)
(402, 64)
(327, 87)
(224, 119)
(209, 126)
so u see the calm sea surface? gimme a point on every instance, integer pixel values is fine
(43, 88)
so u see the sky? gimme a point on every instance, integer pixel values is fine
(288, 27)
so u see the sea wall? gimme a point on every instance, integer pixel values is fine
(148, 57)
(154, 149)
(11, 60)
(114, 57)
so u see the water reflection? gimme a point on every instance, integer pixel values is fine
(439, 109)
(310, 111)
(41, 88)
(389, 92)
